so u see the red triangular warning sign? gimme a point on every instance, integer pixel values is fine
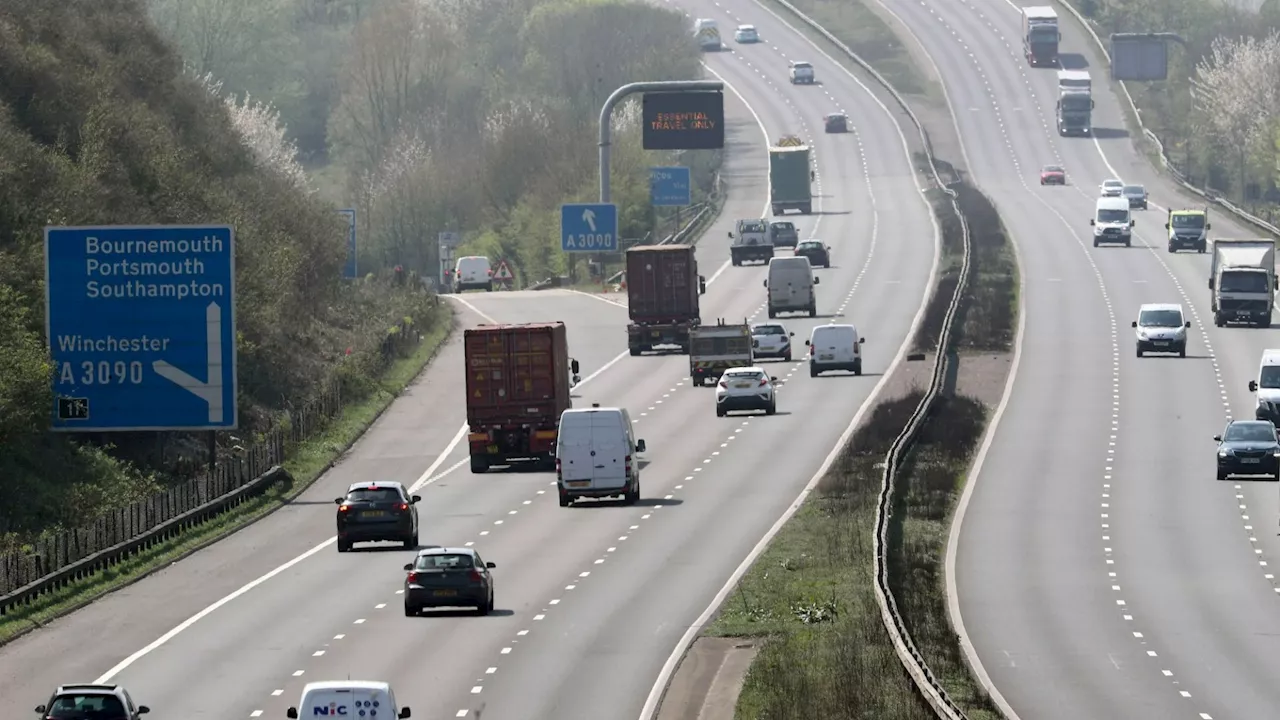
(503, 272)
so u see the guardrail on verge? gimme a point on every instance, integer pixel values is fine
(928, 685)
(1164, 158)
(57, 559)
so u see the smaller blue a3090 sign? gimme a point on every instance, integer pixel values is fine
(141, 327)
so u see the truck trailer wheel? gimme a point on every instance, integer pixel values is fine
(806, 209)
(479, 465)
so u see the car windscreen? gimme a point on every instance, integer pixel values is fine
(1107, 215)
(740, 375)
(1251, 432)
(807, 245)
(1133, 190)
(1188, 221)
(444, 562)
(1160, 318)
(374, 495)
(1054, 169)
(1244, 282)
(87, 707)
(802, 66)
(1269, 377)
(751, 227)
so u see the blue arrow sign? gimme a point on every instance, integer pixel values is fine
(142, 327)
(349, 269)
(669, 186)
(589, 227)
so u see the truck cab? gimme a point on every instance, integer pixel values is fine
(707, 33)
(750, 242)
(1242, 280)
(1075, 103)
(1188, 229)
(1040, 35)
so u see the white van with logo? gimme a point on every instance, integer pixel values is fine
(790, 286)
(596, 453)
(348, 699)
(473, 273)
(835, 347)
(1111, 221)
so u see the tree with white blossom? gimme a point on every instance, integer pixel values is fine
(1237, 93)
(263, 132)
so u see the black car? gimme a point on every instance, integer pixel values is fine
(783, 233)
(1136, 195)
(819, 254)
(1248, 447)
(836, 123)
(375, 511)
(80, 701)
(448, 577)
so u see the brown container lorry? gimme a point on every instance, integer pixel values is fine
(518, 382)
(663, 290)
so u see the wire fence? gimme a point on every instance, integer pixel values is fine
(24, 572)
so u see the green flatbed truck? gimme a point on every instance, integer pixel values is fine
(789, 179)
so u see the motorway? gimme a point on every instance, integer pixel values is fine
(1101, 570)
(591, 600)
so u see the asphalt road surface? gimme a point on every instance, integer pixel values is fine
(592, 599)
(1102, 571)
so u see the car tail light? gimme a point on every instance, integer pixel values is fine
(764, 381)
(559, 473)
(404, 507)
(626, 466)
(724, 384)
(344, 508)
(412, 577)
(475, 575)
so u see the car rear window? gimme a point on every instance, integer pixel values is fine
(377, 495)
(744, 374)
(444, 562)
(768, 330)
(81, 707)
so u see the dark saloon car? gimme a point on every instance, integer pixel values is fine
(836, 123)
(819, 254)
(377, 511)
(1136, 195)
(448, 577)
(1248, 447)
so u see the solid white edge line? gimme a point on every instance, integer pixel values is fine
(659, 688)
(953, 535)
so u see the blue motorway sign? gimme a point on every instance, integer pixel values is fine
(142, 327)
(589, 227)
(669, 186)
(349, 269)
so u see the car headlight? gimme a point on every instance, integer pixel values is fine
(1224, 453)
(1142, 335)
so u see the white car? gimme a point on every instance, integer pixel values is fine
(1111, 188)
(771, 340)
(746, 34)
(1161, 328)
(745, 388)
(801, 73)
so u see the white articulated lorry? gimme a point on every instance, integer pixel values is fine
(1242, 281)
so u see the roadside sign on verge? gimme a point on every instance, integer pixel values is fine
(141, 327)
(349, 270)
(450, 239)
(503, 273)
(669, 186)
(589, 227)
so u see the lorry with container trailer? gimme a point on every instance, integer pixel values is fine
(1040, 35)
(716, 348)
(663, 293)
(790, 177)
(1075, 102)
(1242, 281)
(517, 384)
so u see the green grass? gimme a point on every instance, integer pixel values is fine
(867, 34)
(306, 462)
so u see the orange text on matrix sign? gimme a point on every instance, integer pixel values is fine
(683, 121)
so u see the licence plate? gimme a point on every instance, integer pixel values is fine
(493, 449)
(1160, 343)
(445, 593)
(373, 513)
(826, 357)
(742, 385)
(1251, 461)
(578, 483)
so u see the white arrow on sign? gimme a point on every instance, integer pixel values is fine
(208, 391)
(589, 217)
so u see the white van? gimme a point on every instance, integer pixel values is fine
(1267, 386)
(473, 273)
(790, 286)
(348, 699)
(596, 452)
(1111, 222)
(835, 347)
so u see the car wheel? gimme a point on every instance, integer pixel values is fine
(787, 357)
(344, 546)
(719, 411)
(632, 496)
(411, 611)
(484, 608)
(1223, 474)
(1182, 352)
(813, 371)
(857, 368)
(411, 542)
(772, 409)
(1139, 351)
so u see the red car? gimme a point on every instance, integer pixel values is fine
(1053, 175)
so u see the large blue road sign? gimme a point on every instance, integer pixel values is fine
(589, 227)
(349, 269)
(142, 327)
(669, 186)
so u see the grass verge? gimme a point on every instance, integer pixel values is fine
(810, 594)
(306, 462)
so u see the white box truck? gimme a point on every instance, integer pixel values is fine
(1242, 281)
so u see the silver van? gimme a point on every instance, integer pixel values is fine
(596, 453)
(790, 286)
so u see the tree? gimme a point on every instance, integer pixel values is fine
(1237, 92)
(262, 130)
